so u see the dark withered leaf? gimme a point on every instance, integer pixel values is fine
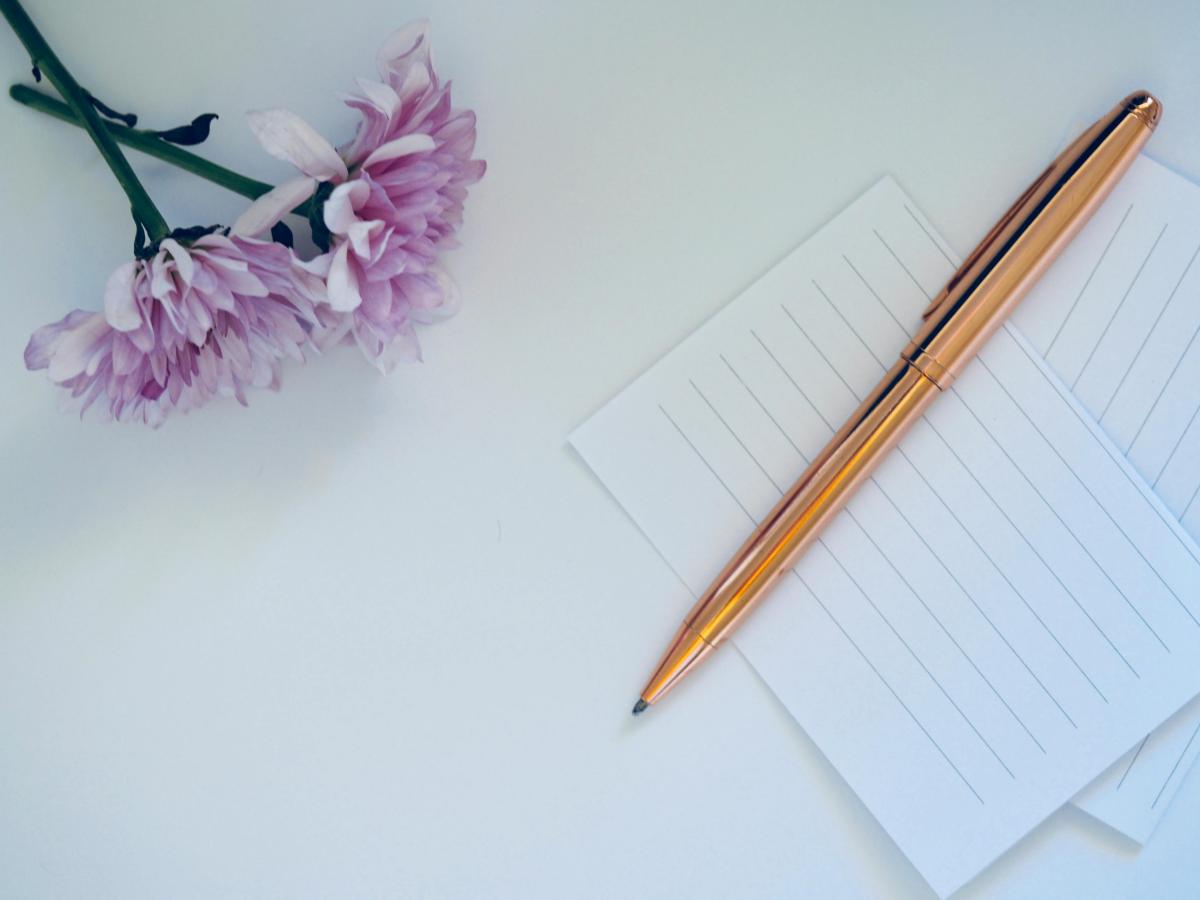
(281, 234)
(192, 232)
(316, 216)
(108, 112)
(188, 135)
(139, 237)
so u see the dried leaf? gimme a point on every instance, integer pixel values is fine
(188, 135)
(281, 234)
(316, 216)
(108, 112)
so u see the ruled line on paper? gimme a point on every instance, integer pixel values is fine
(1058, 517)
(907, 270)
(1183, 753)
(1121, 305)
(936, 243)
(1145, 340)
(1175, 447)
(886, 684)
(850, 327)
(1012, 587)
(1096, 500)
(1129, 768)
(824, 359)
(1041, 559)
(1087, 282)
(874, 293)
(728, 490)
(1166, 384)
(1183, 544)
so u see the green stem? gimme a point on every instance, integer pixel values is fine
(47, 62)
(149, 143)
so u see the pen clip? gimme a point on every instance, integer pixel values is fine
(987, 244)
(937, 301)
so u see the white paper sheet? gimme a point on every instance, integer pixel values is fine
(996, 618)
(1118, 318)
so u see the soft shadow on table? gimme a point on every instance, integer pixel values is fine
(1105, 840)
(75, 491)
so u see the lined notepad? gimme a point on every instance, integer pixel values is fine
(1004, 609)
(1118, 318)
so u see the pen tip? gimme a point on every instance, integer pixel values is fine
(640, 707)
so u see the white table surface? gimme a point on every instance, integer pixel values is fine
(379, 637)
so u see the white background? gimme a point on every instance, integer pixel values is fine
(379, 637)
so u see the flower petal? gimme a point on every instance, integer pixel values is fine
(184, 264)
(359, 235)
(74, 348)
(274, 205)
(120, 305)
(382, 96)
(286, 136)
(400, 43)
(416, 81)
(343, 201)
(403, 146)
(343, 283)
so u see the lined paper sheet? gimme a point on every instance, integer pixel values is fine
(1118, 318)
(1001, 613)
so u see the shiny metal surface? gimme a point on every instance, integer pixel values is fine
(975, 302)
(1029, 237)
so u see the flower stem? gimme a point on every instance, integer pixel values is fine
(149, 143)
(46, 61)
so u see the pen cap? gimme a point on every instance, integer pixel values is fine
(1030, 236)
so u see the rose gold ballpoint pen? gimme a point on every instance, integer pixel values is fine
(958, 322)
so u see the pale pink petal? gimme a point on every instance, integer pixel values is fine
(343, 283)
(382, 95)
(318, 266)
(120, 304)
(416, 81)
(400, 43)
(451, 299)
(403, 146)
(74, 349)
(272, 206)
(404, 347)
(359, 235)
(286, 136)
(343, 201)
(183, 260)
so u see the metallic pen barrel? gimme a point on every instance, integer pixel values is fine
(1029, 237)
(849, 457)
(958, 322)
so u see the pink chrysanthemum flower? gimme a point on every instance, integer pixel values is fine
(397, 198)
(183, 326)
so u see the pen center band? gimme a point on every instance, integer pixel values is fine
(933, 370)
